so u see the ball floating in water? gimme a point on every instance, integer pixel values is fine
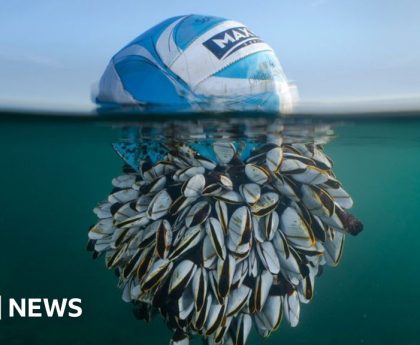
(195, 63)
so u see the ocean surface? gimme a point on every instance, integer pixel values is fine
(54, 172)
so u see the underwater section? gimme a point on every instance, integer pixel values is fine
(220, 225)
(56, 170)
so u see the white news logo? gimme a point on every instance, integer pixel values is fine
(41, 307)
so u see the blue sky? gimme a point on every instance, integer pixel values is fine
(335, 51)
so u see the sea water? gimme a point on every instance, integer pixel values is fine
(54, 173)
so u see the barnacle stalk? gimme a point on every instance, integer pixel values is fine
(222, 224)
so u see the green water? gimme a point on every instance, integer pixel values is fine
(53, 174)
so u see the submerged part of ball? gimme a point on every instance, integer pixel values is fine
(219, 236)
(196, 63)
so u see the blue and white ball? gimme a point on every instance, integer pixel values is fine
(196, 63)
